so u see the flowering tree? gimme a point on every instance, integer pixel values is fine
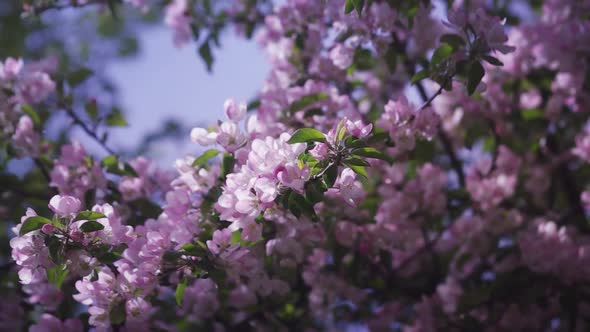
(407, 166)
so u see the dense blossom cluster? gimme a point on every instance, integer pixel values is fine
(331, 202)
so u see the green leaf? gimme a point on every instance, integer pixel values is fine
(109, 257)
(118, 314)
(452, 39)
(179, 294)
(311, 112)
(391, 59)
(227, 165)
(356, 162)
(253, 105)
(314, 191)
(330, 175)
(372, 153)
(28, 110)
(205, 157)
(91, 226)
(113, 8)
(193, 250)
(348, 7)
(306, 135)
(532, 114)
(364, 59)
(128, 170)
(89, 215)
(128, 46)
(57, 275)
(91, 109)
(476, 73)
(354, 143)
(492, 60)
(306, 101)
(206, 55)
(54, 245)
(340, 131)
(33, 224)
(360, 170)
(354, 4)
(441, 53)
(424, 73)
(116, 119)
(298, 205)
(76, 77)
(236, 237)
(109, 161)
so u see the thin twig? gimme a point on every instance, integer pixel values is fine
(446, 141)
(87, 130)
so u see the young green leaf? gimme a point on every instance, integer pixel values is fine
(116, 119)
(206, 55)
(33, 224)
(91, 109)
(372, 153)
(89, 215)
(205, 157)
(91, 226)
(476, 73)
(30, 111)
(57, 275)
(356, 161)
(354, 4)
(76, 77)
(236, 237)
(360, 170)
(441, 53)
(306, 101)
(109, 161)
(109, 257)
(454, 40)
(424, 73)
(306, 135)
(227, 165)
(179, 294)
(492, 60)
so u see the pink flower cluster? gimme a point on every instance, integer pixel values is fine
(330, 202)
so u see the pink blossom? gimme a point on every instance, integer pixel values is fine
(178, 18)
(65, 206)
(49, 323)
(341, 56)
(233, 111)
(10, 69)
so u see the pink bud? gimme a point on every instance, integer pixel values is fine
(47, 229)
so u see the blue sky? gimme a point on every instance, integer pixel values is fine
(164, 81)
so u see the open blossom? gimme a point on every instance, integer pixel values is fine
(271, 163)
(449, 293)
(49, 323)
(405, 123)
(72, 175)
(200, 300)
(10, 69)
(26, 138)
(30, 254)
(233, 111)
(486, 192)
(350, 189)
(65, 206)
(582, 148)
(342, 56)
(177, 17)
